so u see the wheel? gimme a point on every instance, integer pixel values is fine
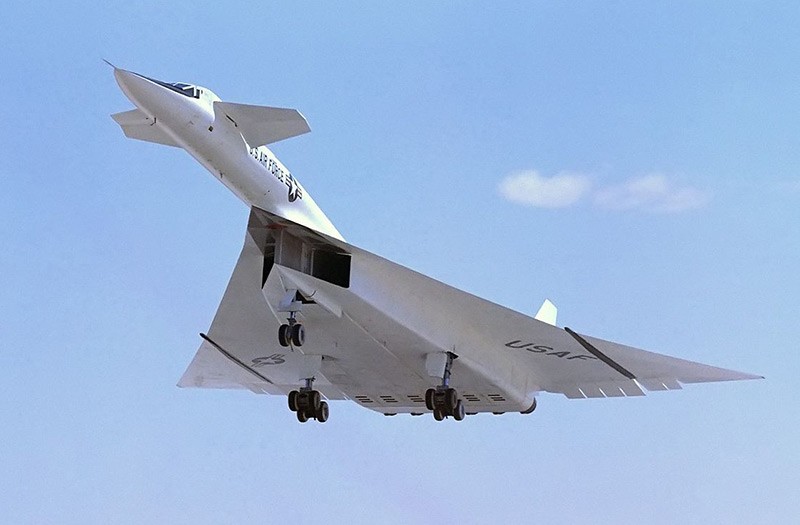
(283, 335)
(314, 400)
(429, 393)
(322, 412)
(293, 400)
(438, 415)
(302, 416)
(450, 399)
(298, 335)
(458, 412)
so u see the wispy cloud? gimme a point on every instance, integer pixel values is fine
(654, 193)
(532, 189)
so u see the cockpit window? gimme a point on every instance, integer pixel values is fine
(178, 87)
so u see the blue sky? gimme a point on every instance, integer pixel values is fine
(637, 163)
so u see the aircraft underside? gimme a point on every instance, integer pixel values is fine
(311, 317)
(332, 342)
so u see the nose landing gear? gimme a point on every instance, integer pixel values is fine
(292, 333)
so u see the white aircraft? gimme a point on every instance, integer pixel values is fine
(310, 316)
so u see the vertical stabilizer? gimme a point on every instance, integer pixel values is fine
(547, 313)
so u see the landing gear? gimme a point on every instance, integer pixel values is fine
(321, 414)
(458, 411)
(429, 395)
(284, 335)
(450, 400)
(307, 403)
(443, 400)
(292, 332)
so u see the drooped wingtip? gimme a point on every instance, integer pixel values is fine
(109, 63)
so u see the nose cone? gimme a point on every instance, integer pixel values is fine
(141, 91)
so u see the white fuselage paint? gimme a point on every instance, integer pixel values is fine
(255, 175)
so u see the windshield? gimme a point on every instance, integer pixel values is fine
(178, 87)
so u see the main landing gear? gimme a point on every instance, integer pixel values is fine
(443, 400)
(307, 403)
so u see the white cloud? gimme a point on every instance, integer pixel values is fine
(653, 193)
(532, 189)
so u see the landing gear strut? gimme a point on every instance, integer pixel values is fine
(443, 400)
(307, 403)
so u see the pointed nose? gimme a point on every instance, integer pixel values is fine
(137, 88)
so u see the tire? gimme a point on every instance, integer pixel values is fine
(458, 412)
(302, 416)
(298, 335)
(283, 335)
(450, 399)
(314, 400)
(293, 400)
(322, 412)
(438, 415)
(429, 393)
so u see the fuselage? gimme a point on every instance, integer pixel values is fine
(253, 173)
